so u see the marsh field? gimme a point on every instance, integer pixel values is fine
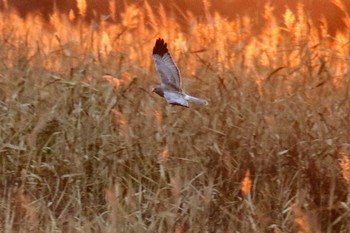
(85, 146)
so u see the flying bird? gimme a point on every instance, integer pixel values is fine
(170, 79)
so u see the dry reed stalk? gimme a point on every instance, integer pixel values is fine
(340, 4)
(131, 17)
(344, 164)
(82, 5)
(112, 197)
(106, 44)
(42, 132)
(120, 119)
(289, 20)
(153, 22)
(112, 6)
(246, 184)
(26, 216)
(206, 5)
(116, 83)
(305, 222)
(71, 15)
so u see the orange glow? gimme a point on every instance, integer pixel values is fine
(71, 15)
(81, 4)
(6, 5)
(120, 119)
(106, 43)
(342, 49)
(131, 17)
(345, 165)
(24, 208)
(112, 5)
(304, 221)
(165, 154)
(114, 81)
(246, 184)
(158, 116)
(340, 4)
(289, 20)
(228, 42)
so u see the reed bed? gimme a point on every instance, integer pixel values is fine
(86, 147)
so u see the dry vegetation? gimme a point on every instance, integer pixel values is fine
(86, 147)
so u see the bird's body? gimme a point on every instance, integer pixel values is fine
(170, 87)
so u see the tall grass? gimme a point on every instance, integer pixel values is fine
(86, 147)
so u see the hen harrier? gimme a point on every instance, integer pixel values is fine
(170, 78)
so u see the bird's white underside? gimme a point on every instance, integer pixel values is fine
(175, 98)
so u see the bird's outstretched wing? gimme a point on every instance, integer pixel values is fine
(168, 71)
(170, 78)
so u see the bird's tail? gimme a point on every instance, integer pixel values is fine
(196, 99)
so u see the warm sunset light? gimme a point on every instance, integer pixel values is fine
(246, 184)
(81, 4)
(86, 146)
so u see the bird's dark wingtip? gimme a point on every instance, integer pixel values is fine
(160, 47)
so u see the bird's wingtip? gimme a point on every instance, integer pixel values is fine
(160, 47)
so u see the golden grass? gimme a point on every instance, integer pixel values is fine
(86, 147)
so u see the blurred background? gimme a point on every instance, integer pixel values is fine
(316, 9)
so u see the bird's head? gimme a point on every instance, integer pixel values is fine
(158, 90)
